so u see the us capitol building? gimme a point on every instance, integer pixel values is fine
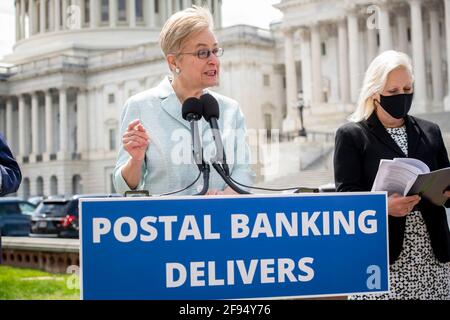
(76, 62)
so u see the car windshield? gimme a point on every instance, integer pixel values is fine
(57, 208)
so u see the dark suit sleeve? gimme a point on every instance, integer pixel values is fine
(9, 170)
(442, 156)
(348, 160)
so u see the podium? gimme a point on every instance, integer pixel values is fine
(234, 247)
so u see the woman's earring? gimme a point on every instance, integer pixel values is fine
(177, 70)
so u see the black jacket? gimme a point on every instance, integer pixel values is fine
(9, 170)
(359, 150)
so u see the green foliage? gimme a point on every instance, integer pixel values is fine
(26, 284)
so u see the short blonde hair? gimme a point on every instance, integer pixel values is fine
(183, 24)
(376, 78)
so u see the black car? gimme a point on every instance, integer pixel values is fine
(15, 214)
(58, 217)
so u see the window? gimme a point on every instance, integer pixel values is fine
(122, 10)
(268, 125)
(111, 98)
(53, 185)
(112, 139)
(87, 11)
(111, 183)
(105, 10)
(156, 6)
(26, 208)
(139, 11)
(266, 80)
(409, 34)
(324, 49)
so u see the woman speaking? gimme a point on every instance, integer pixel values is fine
(155, 153)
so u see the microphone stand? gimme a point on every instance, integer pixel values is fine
(227, 180)
(197, 153)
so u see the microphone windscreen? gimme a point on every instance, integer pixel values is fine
(192, 106)
(210, 107)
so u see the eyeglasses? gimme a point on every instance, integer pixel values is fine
(206, 53)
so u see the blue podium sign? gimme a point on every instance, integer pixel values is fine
(234, 247)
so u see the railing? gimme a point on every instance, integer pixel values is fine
(52, 255)
(46, 65)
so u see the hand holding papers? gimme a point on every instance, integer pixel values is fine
(409, 176)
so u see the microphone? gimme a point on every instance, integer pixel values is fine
(192, 111)
(211, 113)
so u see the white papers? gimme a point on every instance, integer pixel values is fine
(398, 175)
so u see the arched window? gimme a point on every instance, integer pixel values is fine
(76, 184)
(26, 188)
(53, 185)
(39, 186)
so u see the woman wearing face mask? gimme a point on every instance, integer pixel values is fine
(419, 237)
(155, 153)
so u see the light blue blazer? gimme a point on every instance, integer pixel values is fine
(169, 163)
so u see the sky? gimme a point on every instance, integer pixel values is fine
(258, 13)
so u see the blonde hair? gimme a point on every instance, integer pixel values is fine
(183, 24)
(376, 78)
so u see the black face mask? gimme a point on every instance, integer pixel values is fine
(397, 106)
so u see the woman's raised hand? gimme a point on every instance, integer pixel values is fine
(136, 140)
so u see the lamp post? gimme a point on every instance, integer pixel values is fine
(300, 107)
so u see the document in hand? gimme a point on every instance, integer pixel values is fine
(409, 176)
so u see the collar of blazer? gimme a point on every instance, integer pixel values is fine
(412, 130)
(172, 105)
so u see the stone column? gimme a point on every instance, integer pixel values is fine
(22, 131)
(22, 19)
(43, 17)
(372, 45)
(402, 25)
(353, 48)
(385, 29)
(63, 122)
(420, 93)
(113, 8)
(344, 77)
(187, 4)
(9, 121)
(17, 16)
(177, 6)
(93, 13)
(132, 12)
(436, 58)
(32, 16)
(305, 48)
(169, 9)
(49, 148)
(150, 16)
(217, 21)
(81, 121)
(316, 54)
(291, 82)
(34, 125)
(57, 5)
